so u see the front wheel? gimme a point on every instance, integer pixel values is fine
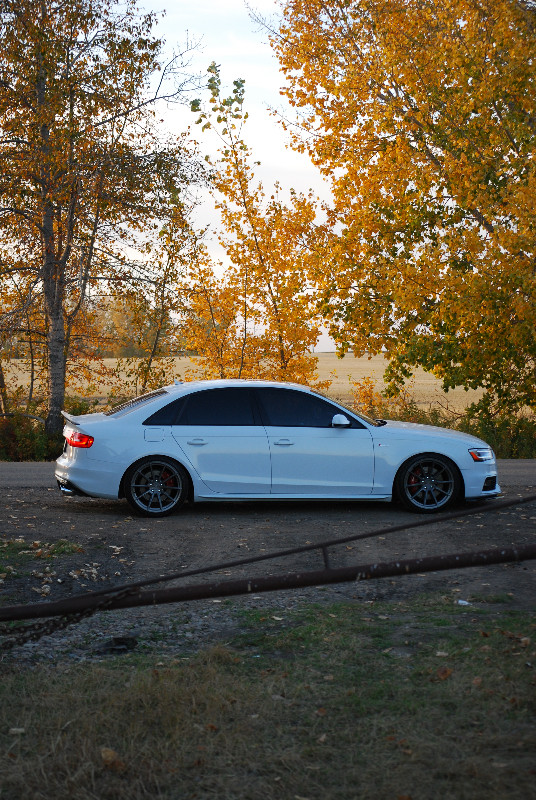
(428, 483)
(156, 486)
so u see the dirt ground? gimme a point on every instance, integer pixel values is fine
(118, 547)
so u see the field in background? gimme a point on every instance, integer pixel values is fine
(424, 387)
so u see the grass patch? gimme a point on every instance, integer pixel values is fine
(16, 554)
(420, 700)
(492, 599)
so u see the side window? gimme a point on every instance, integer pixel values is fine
(218, 407)
(287, 408)
(167, 415)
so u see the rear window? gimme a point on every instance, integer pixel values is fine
(167, 415)
(227, 406)
(136, 402)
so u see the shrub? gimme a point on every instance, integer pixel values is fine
(23, 437)
(512, 436)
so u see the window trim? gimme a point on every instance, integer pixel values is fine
(187, 398)
(355, 423)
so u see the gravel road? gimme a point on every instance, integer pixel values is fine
(118, 547)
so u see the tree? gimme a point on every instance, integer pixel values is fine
(260, 319)
(423, 116)
(218, 324)
(83, 170)
(144, 315)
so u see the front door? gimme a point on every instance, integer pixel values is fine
(308, 455)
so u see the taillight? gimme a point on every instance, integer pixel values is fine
(77, 439)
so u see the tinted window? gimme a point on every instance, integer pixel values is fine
(287, 408)
(218, 407)
(167, 415)
(130, 405)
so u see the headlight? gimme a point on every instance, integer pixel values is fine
(481, 453)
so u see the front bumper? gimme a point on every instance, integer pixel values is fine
(481, 481)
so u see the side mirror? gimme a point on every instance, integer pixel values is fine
(340, 421)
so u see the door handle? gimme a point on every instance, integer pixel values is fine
(197, 441)
(284, 442)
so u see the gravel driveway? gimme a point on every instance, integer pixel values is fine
(117, 548)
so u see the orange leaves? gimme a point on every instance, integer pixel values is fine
(259, 319)
(420, 115)
(84, 176)
(111, 760)
(365, 397)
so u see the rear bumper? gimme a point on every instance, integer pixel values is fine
(68, 489)
(88, 478)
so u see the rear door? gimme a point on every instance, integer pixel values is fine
(308, 455)
(224, 440)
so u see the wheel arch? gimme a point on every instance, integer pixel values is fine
(426, 454)
(121, 493)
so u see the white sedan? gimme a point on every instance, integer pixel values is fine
(259, 440)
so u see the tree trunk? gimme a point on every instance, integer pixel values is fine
(32, 366)
(53, 275)
(56, 374)
(53, 287)
(4, 405)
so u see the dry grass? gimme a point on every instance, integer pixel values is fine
(425, 388)
(420, 701)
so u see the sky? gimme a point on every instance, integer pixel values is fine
(225, 33)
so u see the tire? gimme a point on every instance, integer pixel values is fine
(428, 483)
(156, 486)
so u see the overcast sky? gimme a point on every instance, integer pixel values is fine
(227, 35)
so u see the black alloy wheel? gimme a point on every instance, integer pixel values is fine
(428, 483)
(156, 486)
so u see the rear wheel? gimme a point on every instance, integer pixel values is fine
(428, 483)
(156, 486)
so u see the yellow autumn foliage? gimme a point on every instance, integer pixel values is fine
(257, 318)
(422, 114)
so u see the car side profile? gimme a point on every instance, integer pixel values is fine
(259, 440)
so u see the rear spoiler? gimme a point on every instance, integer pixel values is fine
(70, 418)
